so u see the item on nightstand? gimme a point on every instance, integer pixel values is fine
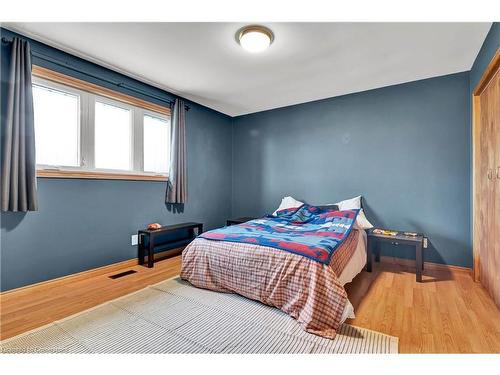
(386, 232)
(410, 234)
(154, 226)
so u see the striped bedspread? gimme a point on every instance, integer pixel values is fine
(301, 287)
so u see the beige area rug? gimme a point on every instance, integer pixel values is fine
(175, 317)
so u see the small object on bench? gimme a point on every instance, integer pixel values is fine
(151, 234)
(377, 236)
(239, 220)
(154, 226)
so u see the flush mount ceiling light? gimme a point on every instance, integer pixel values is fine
(254, 38)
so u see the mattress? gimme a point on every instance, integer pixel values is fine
(353, 267)
(305, 289)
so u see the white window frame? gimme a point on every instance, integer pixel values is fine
(86, 151)
(140, 148)
(116, 103)
(71, 91)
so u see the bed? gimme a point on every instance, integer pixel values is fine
(297, 260)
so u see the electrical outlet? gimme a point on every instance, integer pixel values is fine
(425, 243)
(134, 240)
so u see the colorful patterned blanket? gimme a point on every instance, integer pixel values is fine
(309, 231)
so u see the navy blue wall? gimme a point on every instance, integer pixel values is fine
(488, 50)
(83, 224)
(405, 148)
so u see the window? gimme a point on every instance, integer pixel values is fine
(156, 133)
(113, 137)
(56, 126)
(85, 131)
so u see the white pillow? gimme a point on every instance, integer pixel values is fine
(355, 203)
(288, 202)
(350, 204)
(362, 222)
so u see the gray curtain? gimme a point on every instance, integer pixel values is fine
(177, 177)
(18, 135)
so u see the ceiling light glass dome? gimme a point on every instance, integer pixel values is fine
(255, 38)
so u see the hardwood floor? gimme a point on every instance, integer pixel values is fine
(29, 308)
(447, 313)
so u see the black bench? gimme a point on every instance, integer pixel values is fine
(150, 237)
(239, 220)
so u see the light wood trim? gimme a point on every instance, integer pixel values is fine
(488, 74)
(115, 267)
(55, 173)
(428, 265)
(51, 75)
(476, 132)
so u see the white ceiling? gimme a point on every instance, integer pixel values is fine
(307, 61)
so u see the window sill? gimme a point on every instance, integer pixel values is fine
(98, 175)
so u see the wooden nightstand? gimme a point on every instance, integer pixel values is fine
(375, 239)
(239, 220)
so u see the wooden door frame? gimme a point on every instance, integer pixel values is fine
(488, 74)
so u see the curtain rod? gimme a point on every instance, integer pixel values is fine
(119, 84)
